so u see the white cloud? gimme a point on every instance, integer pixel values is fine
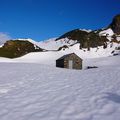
(4, 37)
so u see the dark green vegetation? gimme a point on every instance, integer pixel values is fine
(86, 40)
(17, 48)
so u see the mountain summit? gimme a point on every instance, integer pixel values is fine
(91, 39)
(115, 25)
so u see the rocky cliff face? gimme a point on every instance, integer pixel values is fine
(17, 48)
(86, 39)
(115, 25)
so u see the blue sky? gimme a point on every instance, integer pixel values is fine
(44, 19)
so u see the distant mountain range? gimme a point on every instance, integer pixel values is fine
(106, 40)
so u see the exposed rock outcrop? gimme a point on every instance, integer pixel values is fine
(115, 25)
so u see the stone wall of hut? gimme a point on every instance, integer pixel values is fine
(77, 62)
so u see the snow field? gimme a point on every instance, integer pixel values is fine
(41, 92)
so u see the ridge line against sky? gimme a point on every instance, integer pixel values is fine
(44, 19)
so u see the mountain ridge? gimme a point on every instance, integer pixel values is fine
(80, 40)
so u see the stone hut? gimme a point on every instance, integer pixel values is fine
(70, 61)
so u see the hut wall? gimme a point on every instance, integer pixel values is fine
(64, 62)
(60, 63)
(77, 62)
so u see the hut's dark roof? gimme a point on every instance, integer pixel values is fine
(67, 55)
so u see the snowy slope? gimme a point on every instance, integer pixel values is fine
(51, 44)
(51, 56)
(42, 92)
(107, 32)
(86, 30)
(28, 39)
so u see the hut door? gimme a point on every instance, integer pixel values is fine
(70, 66)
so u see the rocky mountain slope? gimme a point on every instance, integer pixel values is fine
(92, 39)
(115, 25)
(17, 48)
(87, 39)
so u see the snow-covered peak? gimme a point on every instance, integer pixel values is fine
(36, 44)
(85, 30)
(118, 38)
(107, 32)
(52, 44)
(28, 39)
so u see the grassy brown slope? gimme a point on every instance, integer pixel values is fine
(17, 48)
